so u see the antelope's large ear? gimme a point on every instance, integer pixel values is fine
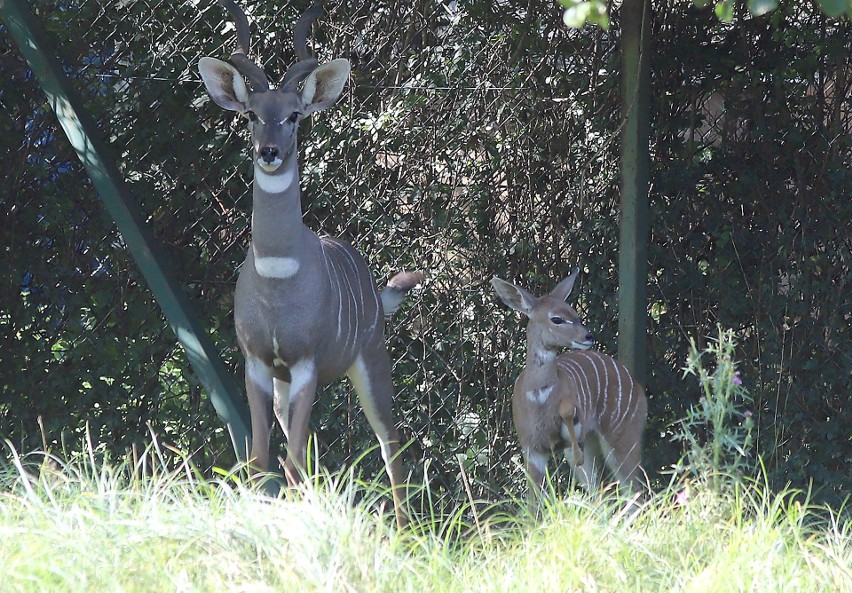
(224, 84)
(514, 296)
(324, 85)
(563, 289)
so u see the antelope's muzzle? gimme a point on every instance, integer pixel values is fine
(269, 158)
(587, 343)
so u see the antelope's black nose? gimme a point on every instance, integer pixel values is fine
(590, 338)
(269, 153)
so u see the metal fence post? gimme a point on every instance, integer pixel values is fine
(633, 233)
(84, 137)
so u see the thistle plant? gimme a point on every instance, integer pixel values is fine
(718, 430)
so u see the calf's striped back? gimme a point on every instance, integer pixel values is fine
(611, 410)
(581, 401)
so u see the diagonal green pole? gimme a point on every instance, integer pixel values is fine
(635, 159)
(84, 137)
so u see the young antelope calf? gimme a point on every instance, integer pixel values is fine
(583, 402)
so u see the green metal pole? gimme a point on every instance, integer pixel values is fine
(635, 159)
(84, 137)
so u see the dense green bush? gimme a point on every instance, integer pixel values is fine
(474, 140)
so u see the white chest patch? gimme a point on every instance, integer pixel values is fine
(279, 268)
(277, 361)
(273, 184)
(540, 395)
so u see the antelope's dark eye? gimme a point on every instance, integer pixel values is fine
(251, 115)
(294, 117)
(557, 320)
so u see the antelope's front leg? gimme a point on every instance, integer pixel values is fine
(259, 391)
(569, 432)
(281, 405)
(535, 464)
(303, 387)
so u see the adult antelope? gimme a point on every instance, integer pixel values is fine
(306, 308)
(583, 402)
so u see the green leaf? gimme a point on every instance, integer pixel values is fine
(835, 8)
(598, 16)
(578, 14)
(759, 7)
(575, 16)
(725, 10)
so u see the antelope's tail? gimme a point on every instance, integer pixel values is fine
(396, 289)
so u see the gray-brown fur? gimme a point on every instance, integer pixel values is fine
(306, 308)
(583, 402)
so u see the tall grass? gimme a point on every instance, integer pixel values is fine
(87, 525)
(139, 524)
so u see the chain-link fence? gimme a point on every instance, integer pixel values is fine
(475, 139)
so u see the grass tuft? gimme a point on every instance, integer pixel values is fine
(93, 525)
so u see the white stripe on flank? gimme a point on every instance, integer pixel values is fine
(351, 305)
(274, 184)
(630, 395)
(379, 317)
(585, 387)
(594, 397)
(592, 361)
(333, 279)
(357, 294)
(279, 268)
(346, 270)
(606, 378)
(618, 376)
(331, 274)
(629, 404)
(327, 265)
(586, 399)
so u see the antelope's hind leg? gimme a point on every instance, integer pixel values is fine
(588, 474)
(625, 457)
(371, 377)
(624, 460)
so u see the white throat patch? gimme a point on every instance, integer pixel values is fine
(540, 395)
(273, 184)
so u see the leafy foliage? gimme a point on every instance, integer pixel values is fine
(579, 12)
(718, 431)
(473, 141)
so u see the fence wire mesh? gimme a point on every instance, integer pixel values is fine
(474, 139)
